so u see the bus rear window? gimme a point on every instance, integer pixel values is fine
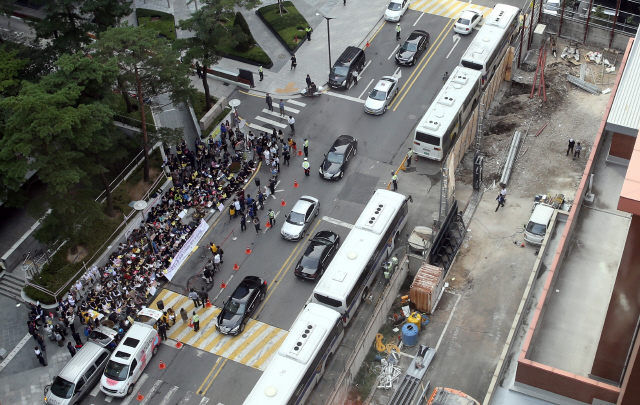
(328, 301)
(426, 138)
(471, 65)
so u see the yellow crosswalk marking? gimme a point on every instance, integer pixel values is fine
(269, 352)
(446, 8)
(256, 334)
(245, 359)
(227, 345)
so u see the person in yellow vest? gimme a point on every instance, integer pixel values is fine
(305, 147)
(306, 166)
(394, 180)
(409, 155)
(309, 31)
(260, 73)
(196, 322)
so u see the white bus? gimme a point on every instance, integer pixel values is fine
(446, 116)
(301, 360)
(347, 280)
(486, 50)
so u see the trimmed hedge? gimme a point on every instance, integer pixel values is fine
(244, 46)
(292, 24)
(166, 24)
(254, 55)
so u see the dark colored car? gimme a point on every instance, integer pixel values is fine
(412, 48)
(335, 162)
(241, 305)
(318, 255)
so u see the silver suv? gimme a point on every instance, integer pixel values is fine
(300, 217)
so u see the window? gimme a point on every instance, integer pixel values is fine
(79, 385)
(426, 138)
(134, 364)
(89, 373)
(327, 301)
(101, 359)
(471, 65)
(116, 371)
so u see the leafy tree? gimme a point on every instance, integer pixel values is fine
(149, 65)
(248, 42)
(10, 67)
(65, 25)
(6, 9)
(207, 24)
(106, 13)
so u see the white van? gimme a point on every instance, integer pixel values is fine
(83, 371)
(129, 360)
(538, 224)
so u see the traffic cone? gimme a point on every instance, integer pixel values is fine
(295, 183)
(208, 303)
(283, 203)
(162, 366)
(268, 224)
(179, 344)
(223, 285)
(368, 44)
(300, 152)
(140, 397)
(235, 266)
(248, 251)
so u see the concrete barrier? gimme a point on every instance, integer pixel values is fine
(596, 35)
(208, 118)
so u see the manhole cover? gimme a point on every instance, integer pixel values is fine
(412, 117)
(197, 283)
(282, 56)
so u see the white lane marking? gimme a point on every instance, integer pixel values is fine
(337, 222)
(95, 390)
(365, 67)
(294, 102)
(167, 397)
(141, 381)
(240, 340)
(357, 100)
(365, 89)
(448, 321)
(394, 52)
(272, 122)
(186, 398)
(15, 351)
(397, 74)
(257, 340)
(293, 110)
(265, 347)
(275, 114)
(456, 40)
(152, 391)
(414, 24)
(205, 400)
(108, 399)
(258, 128)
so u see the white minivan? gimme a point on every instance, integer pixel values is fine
(536, 228)
(130, 358)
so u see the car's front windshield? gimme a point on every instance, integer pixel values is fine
(62, 388)
(333, 157)
(339, 70)
(378, 95)
(234, 307)
(116, 371)
(395, 6)
(409, 46)
(296, 218)
(463, 21)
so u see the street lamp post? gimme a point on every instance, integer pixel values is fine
(328, 36)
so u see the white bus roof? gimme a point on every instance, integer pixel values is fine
(285, 370)
(359, 245)
(490, 34)
(447, 103)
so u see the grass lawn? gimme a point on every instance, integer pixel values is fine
(163, 22)
(199, 104)
(290, 25)
(254, 54)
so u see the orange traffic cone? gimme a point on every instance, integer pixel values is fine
(235, 266)
(223, 285)
(295, 183)
(208, 303)
(283, 203)
(179, 344)
(140, 397)
(300, 152)
(268, 224)
(162, 366)
(368, 44)
(248, 251)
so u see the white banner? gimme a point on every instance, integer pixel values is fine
(184, 253)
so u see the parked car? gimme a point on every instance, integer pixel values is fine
(300, 218)
(381, 95)
(241, 305)
(341, 74)
(336, 161)
(322, 247)
(467, 21)
(412, 48)
(396, 10)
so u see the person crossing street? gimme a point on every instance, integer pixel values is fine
(256, 223)
(398, 29)
(269, 101)
(292, 122)
(196, 321)
(306, 166)
(394, 180)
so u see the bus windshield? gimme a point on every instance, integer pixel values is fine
(426, 138)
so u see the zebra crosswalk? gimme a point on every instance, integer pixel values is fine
(254, 347)
(446, 8)
(273, 119)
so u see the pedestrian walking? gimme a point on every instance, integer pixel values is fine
(276, 163)
(500, 200)
(445, 77)
(232, 212)
(576, 154)
(292, 121)
(286, 156)
(272, 185)
(76, 337)
(208, 272)
(308, 30)
(398, 29)
(59, 338)
(32, 328)
(272, 217)
(305, 147)
(238, 206)
(409, 156)
(572, 143)
(216, 264)
(71, 349)
(261, 73)
(40, 357)
(294, 62)
(195, 297)
(162, 330)
(198, 70)
(344, 2)
(354, 75)
(281, 105)
(394, 180)
(256, 223)
(306, 166)
(308, 82)
(184, 315)
(269, 102)
(196, 322)
(40, 341)
(243, 221)
(204, 296)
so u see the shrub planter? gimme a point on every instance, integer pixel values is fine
(288, 5)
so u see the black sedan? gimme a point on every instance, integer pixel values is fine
(412, 48)
(335, 162)
(241, 305)
(318, 255)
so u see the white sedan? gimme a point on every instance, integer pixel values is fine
(467, 21)
(396, 9)
(381, 95)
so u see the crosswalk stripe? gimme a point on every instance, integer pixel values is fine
(289, 109)
(447, 8)
(108, 399)
(272, 122)
(241, 341)
(417, 4)
(137, 386)
(205, 400)
(256, 335)
(425, 5)
(152, 391)
(187, 334)
(221, 350)
(258, 128)
(186, 398)
(439, 7)
(244, 358)
(454, 11)
(168, 395)
(294, 102)
(275, 114)
(262, 362)
(179, 332)
(209, 321)
(215, 340)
